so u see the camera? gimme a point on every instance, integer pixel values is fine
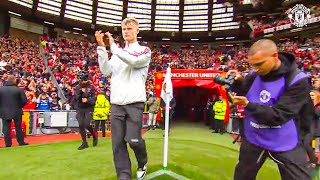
(227, 82)
(83, 76)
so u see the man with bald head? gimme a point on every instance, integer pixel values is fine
(12, 100)
(278, 113)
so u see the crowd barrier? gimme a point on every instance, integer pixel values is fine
(55, 122)
(49, 122)
(1, 133)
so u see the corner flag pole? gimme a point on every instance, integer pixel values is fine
(166, 137)
(166, 95)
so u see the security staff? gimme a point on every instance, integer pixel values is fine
(101, 112)
(220, 108)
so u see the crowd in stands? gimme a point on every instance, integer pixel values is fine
(69, 58)
(262, 22)
(266, 22)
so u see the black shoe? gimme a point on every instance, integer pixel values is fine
(83, 146)
(24, 144)
(95, 140)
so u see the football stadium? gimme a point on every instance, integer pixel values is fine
(160, 89)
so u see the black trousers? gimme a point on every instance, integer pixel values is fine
(126, 125)
(103, 126)
(6, 131)
(84, 117)
(292, 164)
(237, 125)
(213, 121)
(209, 117)
(219, 126)
(163, 119)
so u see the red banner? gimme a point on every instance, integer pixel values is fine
(192, 77)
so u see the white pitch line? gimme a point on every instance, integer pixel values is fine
(161, 172)
(154, 174)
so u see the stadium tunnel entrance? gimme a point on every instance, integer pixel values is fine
(191, 103)
(191, 89)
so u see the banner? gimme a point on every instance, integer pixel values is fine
(288, 26)
(199, 74)
(202, 78)
(196, 75)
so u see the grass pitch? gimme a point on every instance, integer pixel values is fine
(194, 152)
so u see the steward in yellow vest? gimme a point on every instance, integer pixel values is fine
(219, 108)
(101, 112)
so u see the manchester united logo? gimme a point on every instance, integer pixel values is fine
(265, 96)
(299, 15)
(164, 87)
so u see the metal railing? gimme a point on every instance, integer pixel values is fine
(56, 122)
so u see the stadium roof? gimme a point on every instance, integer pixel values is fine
(178, 20)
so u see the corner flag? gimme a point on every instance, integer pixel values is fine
(166, 91)
(166, 95)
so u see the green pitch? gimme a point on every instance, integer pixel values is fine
(194, 152)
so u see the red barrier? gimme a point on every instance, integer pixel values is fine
(13, 129)
(145, 119)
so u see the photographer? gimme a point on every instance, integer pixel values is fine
(84, 101)
(278, 113)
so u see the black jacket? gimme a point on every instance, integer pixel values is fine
(295, 102)
(12, 100)
(89, 94)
